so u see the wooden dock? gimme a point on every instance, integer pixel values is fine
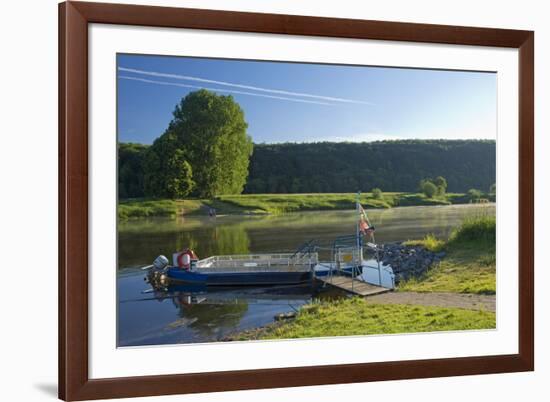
(356, 287)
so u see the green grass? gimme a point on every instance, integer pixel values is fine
(146, 208)
(143, 208)
(416, 199)
(284, 203)
(479, 229)
(276, 203)
(429, 242)
(356, 316)
(469, 265)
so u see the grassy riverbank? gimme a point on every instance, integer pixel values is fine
(144, 208)
(356, 316)
(277, 203)
(470, 262)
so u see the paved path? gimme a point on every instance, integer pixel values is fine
(460, 300)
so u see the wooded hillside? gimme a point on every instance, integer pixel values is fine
(389, 165)
(347, 167)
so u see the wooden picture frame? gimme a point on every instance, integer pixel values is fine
(74, 381)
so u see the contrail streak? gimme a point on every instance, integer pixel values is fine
(249, 87)
(175, 84)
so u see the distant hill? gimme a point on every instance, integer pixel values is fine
(389, 165)
(329, 167)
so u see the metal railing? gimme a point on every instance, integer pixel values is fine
(259, 262)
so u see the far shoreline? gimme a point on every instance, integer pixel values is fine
(275, 204)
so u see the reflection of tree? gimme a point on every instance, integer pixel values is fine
(210, 319)
(229, 240)
(140, 247)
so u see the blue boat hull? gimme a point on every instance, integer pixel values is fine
(238, 278)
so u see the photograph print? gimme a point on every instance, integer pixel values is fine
(262, 200)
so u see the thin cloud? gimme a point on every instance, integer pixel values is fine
(249, 87)
(222, 90)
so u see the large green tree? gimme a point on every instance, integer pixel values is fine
(209, 131)
(167, 171)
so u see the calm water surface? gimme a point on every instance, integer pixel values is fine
(195, 315)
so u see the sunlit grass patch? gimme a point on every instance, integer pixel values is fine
(275, 203)
(470, 262)
(355, 316)
(430, 242)
(146, 208)
(285, 203)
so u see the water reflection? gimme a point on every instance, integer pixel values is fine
(193, 314)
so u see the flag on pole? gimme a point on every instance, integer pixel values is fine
(364, 224)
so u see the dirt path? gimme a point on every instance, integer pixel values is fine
(459, 300)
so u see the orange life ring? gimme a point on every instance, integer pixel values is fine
(185, 257)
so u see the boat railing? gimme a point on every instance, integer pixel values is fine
(259, 261)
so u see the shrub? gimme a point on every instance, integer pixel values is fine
(432, 243)
(428, 188)
(377, 193)
(441, 185)
(474, 195)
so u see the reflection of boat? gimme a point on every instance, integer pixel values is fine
(278, 269)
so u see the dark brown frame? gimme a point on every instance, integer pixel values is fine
(74, 17)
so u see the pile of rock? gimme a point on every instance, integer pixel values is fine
(409, 261)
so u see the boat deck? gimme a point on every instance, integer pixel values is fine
(356, 286)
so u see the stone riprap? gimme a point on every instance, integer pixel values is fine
(409, 261)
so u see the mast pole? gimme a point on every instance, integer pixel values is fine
(358, 229)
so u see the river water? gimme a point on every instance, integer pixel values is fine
(197, 315)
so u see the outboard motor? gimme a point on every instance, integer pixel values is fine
(157, 276)
(160, 262)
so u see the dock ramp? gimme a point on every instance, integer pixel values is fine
(353, 286)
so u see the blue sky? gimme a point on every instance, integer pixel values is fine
(295, 102)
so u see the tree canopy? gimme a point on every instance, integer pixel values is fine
(474, 194)
(428, 188)
(441, 184)
(204, 151)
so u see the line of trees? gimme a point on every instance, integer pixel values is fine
(457, 166)
(437, 187)
(388, 165)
